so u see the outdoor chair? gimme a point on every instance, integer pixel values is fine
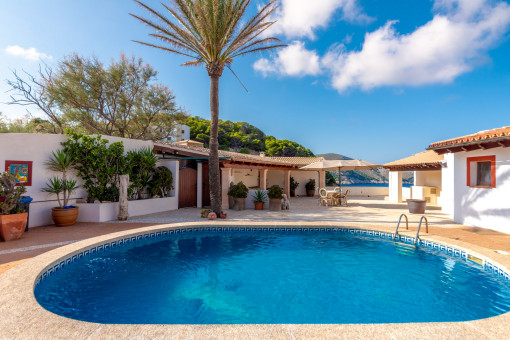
(343, 198)
(323, 197)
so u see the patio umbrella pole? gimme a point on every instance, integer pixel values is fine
(340, 179)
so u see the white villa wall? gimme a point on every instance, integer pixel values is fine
(447, 200)
(430, 178)
(395, 186)
(275, 177)
(302, 177)
(38, 148)
(479, 207)
(364, 191)
(250, 177)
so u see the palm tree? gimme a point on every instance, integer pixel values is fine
(211, 33)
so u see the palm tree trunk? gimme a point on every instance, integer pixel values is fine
(214, 162)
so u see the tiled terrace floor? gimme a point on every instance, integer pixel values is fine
(360, 210)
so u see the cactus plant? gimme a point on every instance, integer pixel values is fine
(10, 193)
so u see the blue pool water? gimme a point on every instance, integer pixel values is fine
(293, 277)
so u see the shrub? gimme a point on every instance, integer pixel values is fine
(140, 167)
(162, 182)
(259, 196)
(275, 192)
(11, 194)
(97, 163)
(238, 190)
(245, 151)
(310, 185)
(293, 183)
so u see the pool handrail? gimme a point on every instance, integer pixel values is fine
(419, 226)
(398, 224)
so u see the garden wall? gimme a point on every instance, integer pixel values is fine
(37, 148)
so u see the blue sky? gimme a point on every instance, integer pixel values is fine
(371, 79)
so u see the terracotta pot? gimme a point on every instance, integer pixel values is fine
(223, 215)
(275, 204)
(239, 204)
(64, 217)
(310, 193)
(12, 226)
(292, 192)
(212, 216)
(416, 206)
(259, 205)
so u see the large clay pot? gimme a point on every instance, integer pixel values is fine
(12, 226)
(275, 204)
(416, 206)
(292, 192)
(310, 193)
(64, 217)
(259, 205)
(239, 204)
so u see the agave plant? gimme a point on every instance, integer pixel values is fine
(61, 161)
(212, 33)
(259, 196)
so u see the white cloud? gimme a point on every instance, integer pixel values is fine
(30, 53)
(299, 18)
(294, 60)
(452, 43)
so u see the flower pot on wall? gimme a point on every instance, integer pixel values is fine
(239, 203)
(416, 206)
(275, 204)
(259, 205)
(64, 217)
(12, 226)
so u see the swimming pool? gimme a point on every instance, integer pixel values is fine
(271, 275)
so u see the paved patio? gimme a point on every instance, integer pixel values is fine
(303, 209)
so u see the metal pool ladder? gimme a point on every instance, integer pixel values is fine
(419, 226)
(398, 225)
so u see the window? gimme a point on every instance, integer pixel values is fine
(481, 172)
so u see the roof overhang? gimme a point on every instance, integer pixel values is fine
(472, 146)
(415, 167)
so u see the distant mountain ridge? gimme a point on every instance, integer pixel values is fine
(363, 176)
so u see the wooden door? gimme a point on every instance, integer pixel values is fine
(187, 188)
(206, 195)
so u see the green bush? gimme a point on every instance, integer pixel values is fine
(140, 167)
(293, 183)
(275, 192)
(162, 182)
(97, 163)
(238, 190)
(245, 151)
(10, 193)
(310, 185)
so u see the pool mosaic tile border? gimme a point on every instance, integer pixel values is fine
(488, 266)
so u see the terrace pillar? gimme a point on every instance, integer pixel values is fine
(199, 184)
(395, 186)
(322, 179)
(263, 179)
(226, 178)
(286, 183)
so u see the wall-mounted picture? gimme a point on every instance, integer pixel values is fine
(22, 170)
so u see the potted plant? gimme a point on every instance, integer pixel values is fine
(416, 206)
(204, 213)
(13, 219)
(293, 186)
(64, 215)
(259, 197)
(239, 192)
(275, 194)
(310, 188)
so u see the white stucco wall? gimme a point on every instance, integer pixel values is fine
(395, 186)
(250, 177)
(430, 178)
(364, 191)
(479, 207)
(302, 177)
(38, 148)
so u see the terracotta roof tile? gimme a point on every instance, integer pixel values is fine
(428, 157)
(503, 132)
(297, 161)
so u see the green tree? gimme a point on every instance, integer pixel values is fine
(212, 33)
(122, 99)
(285, 148)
